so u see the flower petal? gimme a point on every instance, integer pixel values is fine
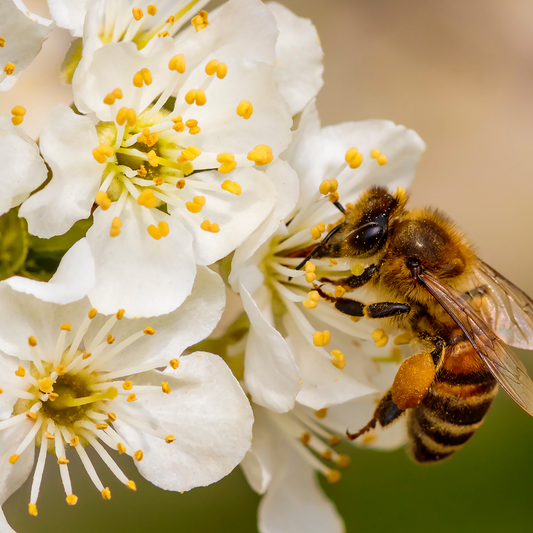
(237, 216)
(72, 281)
(8, 398)
(69, 14)
(208, 414)
(192, 322)
(135, 272)
(270, 372)
(299, 57)
(66, 143)
(286, 182)
(23, 168)
(295, 502)
(24, 34)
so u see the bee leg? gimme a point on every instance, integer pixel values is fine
(353, 282)
(385, 413)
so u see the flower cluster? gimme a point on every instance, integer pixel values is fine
(193, 141)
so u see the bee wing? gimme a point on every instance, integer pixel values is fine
(507, 309)
(500, 360)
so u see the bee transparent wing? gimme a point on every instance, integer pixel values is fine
(507, 309)
(500, 360)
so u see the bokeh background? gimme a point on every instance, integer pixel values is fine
(461, 75)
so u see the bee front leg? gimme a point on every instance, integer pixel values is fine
(355, 308)
(385, 413)
(353, 282)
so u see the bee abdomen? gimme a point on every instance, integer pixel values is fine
(449, 415)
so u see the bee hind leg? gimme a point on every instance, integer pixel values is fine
(385, 413)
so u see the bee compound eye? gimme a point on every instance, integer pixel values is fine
(368, 238)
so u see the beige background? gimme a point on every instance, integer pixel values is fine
(458, 72)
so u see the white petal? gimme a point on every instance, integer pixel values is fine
(69, 14)
(222, 130)
(22, 315)
(286, 182)
(270, 372)
(295, 502)
(72, 281)
(323, 384)
(113, 66)
(263, 458)
(8, 366)
(299, 57)
(237, 216)
(24, 34)
(23, 169)
(320, 158)
(67, 142)
(206, 411)
(135, 272)
(192, 322)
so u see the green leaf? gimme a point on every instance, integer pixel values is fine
(13, 243)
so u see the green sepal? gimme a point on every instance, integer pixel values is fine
(14, 241)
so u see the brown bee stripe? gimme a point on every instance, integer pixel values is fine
(423, 448)
(442, 433)
(472, 378)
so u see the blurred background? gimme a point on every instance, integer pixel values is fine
(461, 75)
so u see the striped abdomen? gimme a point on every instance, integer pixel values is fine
(454, 407)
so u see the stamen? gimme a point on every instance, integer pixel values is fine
(228, 163)
(261, 155)
(178, 63)
(18, 113)
(245, 109)
(321, 338)
(38, 476)
(103, 200)
(137, 13)
(196, 205)
(337, 359)
(10, 68)
(353, 158)
(211, 227)
(380, 338)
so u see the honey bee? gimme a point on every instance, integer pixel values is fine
(457, 308)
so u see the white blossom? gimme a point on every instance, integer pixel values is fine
(72, 378)
(21, 37)
(176, 187)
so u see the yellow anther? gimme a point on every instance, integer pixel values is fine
(109, 99)
(138, 455)
(163, 228)
(152, 158)
(110, 339)
(31, 416)
(404, 338)
(358, 269)
(312, 300)
(151, 9)
(2, 42)
(180, 184)
(9, 69)
(310, 277)
(32, 341)
(309, 266)
(49, 436)
(382, 160)
(179, 127)
(141, 171)
(171, 20)
(211, 227)
(131, 485)
(74, 441)
(211, 67)
(261, 155)
(18, 113)
(120, 314)
(102, 427)
(339, 291)
(200, 21)
(20, 372)
(72, 499)
(62, 461)
(1, 390)
(14, 458)
(334, 476)
(149, 330)
(309, 304)
(86, 355)
(60, 369)
(128, 115)
(316, 231)
(46, 385)
(380, 338)
(106, 493)
(354, 158)
(52, 396)
(92, 313)
(375, 153)
(189, 154)
(334, 440)
(187, 168)
(222, 71)
(137, 13)
(163, 34)
(32, 509)
(191, 123)
(117, 93)
(227, 161)
(195, 130)
(154, 232)
(313, 295)
(321, 338)
(174, 363)
(144, 76)
(337, 359)
(121, 448)
(343, 461)
(127, 385)
(178, 63)
(328, 186)
(321, 413)
(334, 196)
(165, 387)
(231, 186)
(326, 454)
(169, 439)
(196, 96)
(147, 199)
(116, 224)
(158, 181)
(306, 438)
(196, 205)
(132, 398)
(112, 417)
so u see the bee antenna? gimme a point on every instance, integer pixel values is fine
(340, 207)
